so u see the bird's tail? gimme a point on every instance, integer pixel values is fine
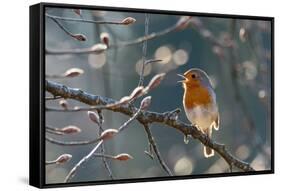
(208, 152)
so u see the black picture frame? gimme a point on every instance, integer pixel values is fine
(37, 94)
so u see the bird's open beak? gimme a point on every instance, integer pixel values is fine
(182, 76)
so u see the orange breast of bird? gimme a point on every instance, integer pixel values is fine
(197, 96)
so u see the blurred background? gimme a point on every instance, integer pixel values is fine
(236, 53)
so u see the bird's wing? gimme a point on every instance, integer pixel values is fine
(213, 111)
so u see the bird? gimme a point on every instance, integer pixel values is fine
(199, 102)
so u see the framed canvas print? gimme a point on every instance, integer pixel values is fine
(128, 95)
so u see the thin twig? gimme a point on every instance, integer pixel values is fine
(149, 151)
(72, 172)
(60, 160)
(79, 37)
(62, 27)
(75, 109)
(125, 125)
(52, 128)
(85, 20)
(50, 162)
(52, 98)
(139, 40)
(119, 157)
(54, 76)
(95, 154)
(148, 37)
(63, 131)
(84, 159)
(156, 150)
(147, 117)
(256, 140)
(144, 49)
(88, 142)
(71, 143)
(197, 25)
(102, 155)
(102, 150)
(54, 132)
(89, 50)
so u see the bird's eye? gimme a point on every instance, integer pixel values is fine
(193, 76)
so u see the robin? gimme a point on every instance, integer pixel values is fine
(199, 102)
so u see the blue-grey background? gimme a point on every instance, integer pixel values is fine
(243, 98)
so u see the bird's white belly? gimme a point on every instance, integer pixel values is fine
(202, 116)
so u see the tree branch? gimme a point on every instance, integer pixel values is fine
(147, 117)
(71, 143)
(144, 49)
(53, 130)
(102, 150)
(79, 37)
(82, 161)
(52, 98)
(122, 22)
(156, 151)
(176, 27)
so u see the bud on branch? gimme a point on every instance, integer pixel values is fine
(155, 81)
(73, 72)
(70, 130)
(243, 34)
(128, 21)
(137, 92)
(98, 48)
(77, 11)
(108, 134)
(79, 37)
(104, 38)
(123, 157)
(94, 117)
(145, 103)
(61, 159)
(183, 22)
(64, 104)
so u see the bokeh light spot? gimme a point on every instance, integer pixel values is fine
(250, 70)
(243, 152)
(180, 57)
(259, 163)
(163, 53)
(262, 94)
(183, 166)
(147, 68)
(97, 60)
